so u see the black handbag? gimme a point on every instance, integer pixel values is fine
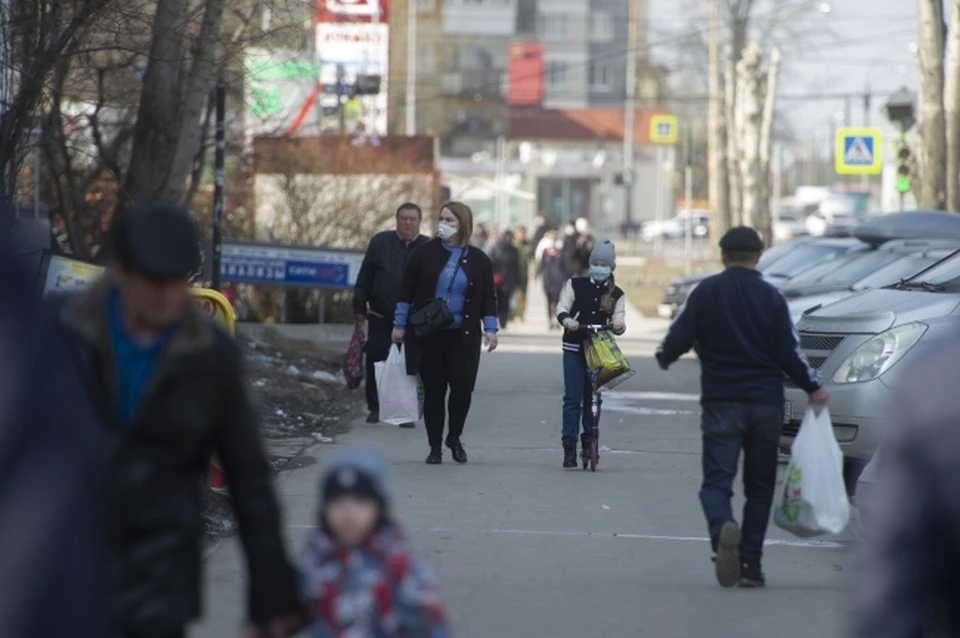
(433, 315)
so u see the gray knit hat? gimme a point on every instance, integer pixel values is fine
(606, 252)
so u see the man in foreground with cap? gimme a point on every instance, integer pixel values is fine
(168, 387)
(741, 330)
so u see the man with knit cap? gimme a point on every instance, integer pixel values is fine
(167, 387)
(741, 329)
(359, 575)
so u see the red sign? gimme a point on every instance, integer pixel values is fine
(525, 74)
(352, 11)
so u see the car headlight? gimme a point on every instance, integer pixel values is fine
(878, 355)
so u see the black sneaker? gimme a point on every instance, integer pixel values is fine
(409, 425)
(751, 576)
(569, 455)
(457, 451)
(373, 417)
(435, 457)
(728, 555)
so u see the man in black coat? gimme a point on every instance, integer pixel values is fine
(377, 291)
(168, 387)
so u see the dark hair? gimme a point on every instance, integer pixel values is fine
(409, 206)
(740, 256)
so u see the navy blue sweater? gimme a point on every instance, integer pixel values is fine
(741, 329)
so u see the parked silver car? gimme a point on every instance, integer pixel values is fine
(857, 342)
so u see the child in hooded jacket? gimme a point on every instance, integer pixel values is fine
(591, 300)
(360, 577)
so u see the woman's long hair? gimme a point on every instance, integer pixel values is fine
(606, 302)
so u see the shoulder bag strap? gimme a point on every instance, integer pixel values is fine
(456, 271)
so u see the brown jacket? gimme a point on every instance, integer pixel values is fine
(195, 400)
(420, 284)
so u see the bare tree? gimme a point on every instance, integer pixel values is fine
(765, 220)
(749, 110)
(930, 184)
(732, 135)
(951, 104)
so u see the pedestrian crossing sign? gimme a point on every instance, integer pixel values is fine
(858, 151)
(663, 129)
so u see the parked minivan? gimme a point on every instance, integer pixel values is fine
(856, 344)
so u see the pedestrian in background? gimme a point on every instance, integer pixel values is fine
(448, 359)
(592, 300)
(741, 329)
(552, 275)
(168, 387)
(525, 259)
(359, 574)
(377, 291)
(52, 549)
(904, 579)
(506, 274)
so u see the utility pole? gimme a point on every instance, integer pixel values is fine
(848, 121)
(716, 144)
(867, 99)
(411, 67)
(218, 196)
(630, 114)
(688, 198)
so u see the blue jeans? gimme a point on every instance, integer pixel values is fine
(728, 428)
(577, 397)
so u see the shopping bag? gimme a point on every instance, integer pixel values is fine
(353, 362)
(605, 357)
(814, 500)
(399, 397)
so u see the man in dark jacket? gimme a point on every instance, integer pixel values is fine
(377, 291)
(741, 329)
(168, 387)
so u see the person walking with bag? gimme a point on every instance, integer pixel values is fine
(377, 290)
(594, 299)
(447, 309)
(741, 329)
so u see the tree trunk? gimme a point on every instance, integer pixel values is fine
(929, 181)
(764, 223)
(157, 130)
(718, 182)
(730, 109)
(202, 75)
(750, 119)
(951, 105)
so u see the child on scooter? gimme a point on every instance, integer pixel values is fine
(360, 577)
(591, 300)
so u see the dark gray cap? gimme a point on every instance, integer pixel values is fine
(743, 239)
(157, 240)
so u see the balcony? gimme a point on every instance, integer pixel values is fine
(486, 83)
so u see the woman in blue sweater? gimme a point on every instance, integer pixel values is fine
(449, 270)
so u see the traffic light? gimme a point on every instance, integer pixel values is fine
(904, 156)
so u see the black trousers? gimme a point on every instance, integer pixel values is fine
(442, 369)
(379, 332)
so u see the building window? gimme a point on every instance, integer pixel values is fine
(599, 77)
(424, 6)
(556, 75)
(426, 58)
(553, 26)
(601, 27)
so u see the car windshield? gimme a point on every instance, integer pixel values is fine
(775, 253)
(804, 258)
(814, 274)
(946, 272)
(900, 269)
(857, 267)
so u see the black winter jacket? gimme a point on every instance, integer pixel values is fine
(381, 275)
(742, 331)
(195, 401)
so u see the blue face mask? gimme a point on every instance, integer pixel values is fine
(600, 273)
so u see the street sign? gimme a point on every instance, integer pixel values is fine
(663, 129)
(858, 151)
(299, 266)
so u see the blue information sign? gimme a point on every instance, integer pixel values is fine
(290, 265)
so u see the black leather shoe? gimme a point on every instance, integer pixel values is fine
(457, 451)
(436, 457)
(373, 417)
(409, 425)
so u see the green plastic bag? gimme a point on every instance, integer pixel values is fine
(604, 355)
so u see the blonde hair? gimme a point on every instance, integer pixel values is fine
(465, 216)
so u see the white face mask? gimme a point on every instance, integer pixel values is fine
(445, 231)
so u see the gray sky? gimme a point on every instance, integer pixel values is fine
(859, 42)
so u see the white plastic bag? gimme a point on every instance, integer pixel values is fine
(397, 390)
(814, 500)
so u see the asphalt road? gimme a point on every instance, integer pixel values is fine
(525, 549)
